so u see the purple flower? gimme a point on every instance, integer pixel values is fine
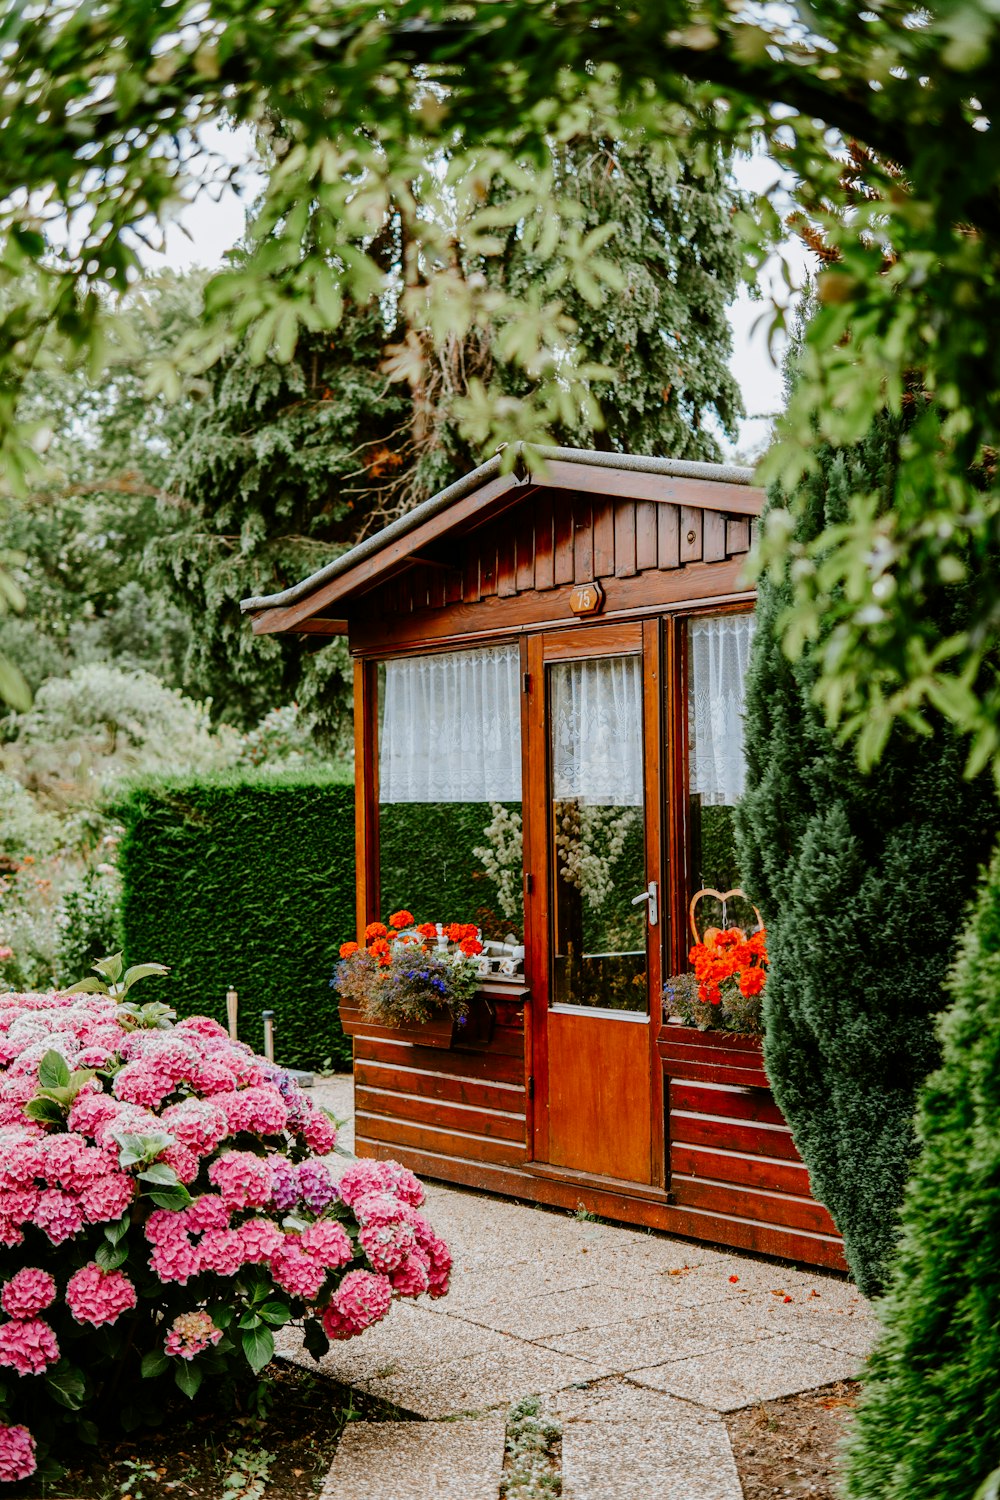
(285, 1190)
(317, 1186)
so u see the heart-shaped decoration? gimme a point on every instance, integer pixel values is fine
(722, 897)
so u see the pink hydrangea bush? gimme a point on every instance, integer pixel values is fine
(164, 1206)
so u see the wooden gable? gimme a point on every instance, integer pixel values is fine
(508, 554)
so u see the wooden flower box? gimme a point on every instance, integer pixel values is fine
(437, 1031)
(440, 1030)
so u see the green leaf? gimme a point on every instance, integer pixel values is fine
(275, 1313)
(315, 1339)
(223, 1316)
(88, 986)
(143, 971)
(250, 1320)
(87, 1431)
(53, 1071)
(13, 688)
(154, 1363)
(110, 1257)
(187, 1378)
(160, 1172)
(117, 1230)
(258, 1346)
(46, 1111)
(175, 1198)
(66, 1385)
(110, 968)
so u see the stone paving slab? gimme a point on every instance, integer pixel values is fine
(418, 1461)
(639, 1341)
(634, 1343)
(741, 1374)
(645, 1459)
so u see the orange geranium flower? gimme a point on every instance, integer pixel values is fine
(751, 981)
(401, 919)
(379, 947)
(346, 949)
(470, 946)
(375, 930)
(428, 930)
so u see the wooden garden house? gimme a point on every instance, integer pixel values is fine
(548, 690)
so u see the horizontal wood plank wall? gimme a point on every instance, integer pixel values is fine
(731, 1152)
(554, 539)
(456, 1104)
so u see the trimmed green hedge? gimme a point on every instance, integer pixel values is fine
(244, 880)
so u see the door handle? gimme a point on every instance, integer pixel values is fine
(650, 895)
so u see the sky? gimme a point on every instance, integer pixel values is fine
(205, 229)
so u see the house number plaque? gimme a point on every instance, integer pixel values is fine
(586, 599)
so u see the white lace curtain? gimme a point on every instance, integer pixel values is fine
(451, 728)
(596, 726)
(718, 656)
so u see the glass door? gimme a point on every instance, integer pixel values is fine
(601, 926)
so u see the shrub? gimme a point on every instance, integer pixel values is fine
(929, 1423)
(862, 882)
(163, 1207)
(250, 878)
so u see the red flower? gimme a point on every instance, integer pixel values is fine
(734, 1279)
(428, 930)
(751, 982)
(375, 930)
(470, 946)
(381, 948)
(401, 919)
(346, 949)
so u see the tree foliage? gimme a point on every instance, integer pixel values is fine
(285, 463)
(929, 1423)
(102, 113)
(863, 881)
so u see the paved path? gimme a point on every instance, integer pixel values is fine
(638, 1343)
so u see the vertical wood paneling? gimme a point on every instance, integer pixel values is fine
(563, 531)
(453, 582)
(506, 562)
(544, 552)
(488, 566)
(524, 549)
(691, 520)
(668, 536)
(737, 535)
(604, 539)
(583, 541)
(645, 534)
(470, 584)
(435, 588)
(624, 538)
(714, 537)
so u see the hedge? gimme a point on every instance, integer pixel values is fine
(247, 880)
(244, 881)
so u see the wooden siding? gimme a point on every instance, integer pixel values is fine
(731, 1152)
(467, 1103)
(553, 540)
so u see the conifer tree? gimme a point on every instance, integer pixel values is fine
(862, 881)
(929, 1423)
(288, 464)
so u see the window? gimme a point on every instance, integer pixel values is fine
(718, 657)
(450, 788)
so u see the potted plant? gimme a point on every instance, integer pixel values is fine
(415, 978)
(712, 1015)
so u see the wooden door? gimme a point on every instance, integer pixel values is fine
(595, 900)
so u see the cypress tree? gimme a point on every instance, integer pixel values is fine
(862, 881)
(929, 1423)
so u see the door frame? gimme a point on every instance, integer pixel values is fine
(643, 637)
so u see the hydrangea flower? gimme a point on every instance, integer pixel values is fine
(187, 1159)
